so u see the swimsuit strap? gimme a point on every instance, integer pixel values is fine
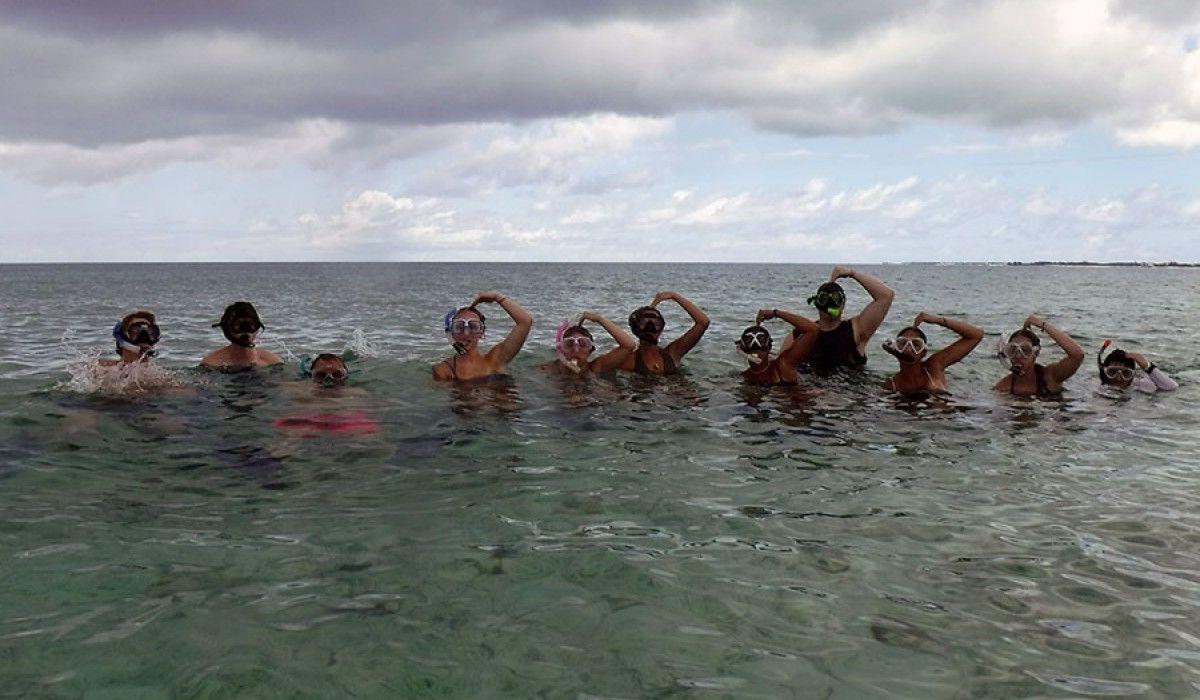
(639, 364)
(1039, 373)
(453, 363)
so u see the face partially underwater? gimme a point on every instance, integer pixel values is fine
(467, 329)
(329, 372)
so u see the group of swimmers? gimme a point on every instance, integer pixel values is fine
(830, 343)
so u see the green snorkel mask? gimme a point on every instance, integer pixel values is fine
(829, 300)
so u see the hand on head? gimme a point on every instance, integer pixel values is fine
(839, 272)
(661, 297)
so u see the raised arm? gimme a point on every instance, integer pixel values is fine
(968, 337)
(869, 319)
(1156, 376)
(795, 352)
(508, 348)
(700, 322)
(1064, 368)
(626, 344)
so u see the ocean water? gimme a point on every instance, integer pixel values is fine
(686, 537)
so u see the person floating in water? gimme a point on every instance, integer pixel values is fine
(574, 344)
(1119, 370)
(240, 324)
(755, 344)
(135, 336)
(920, 375)
(465, 327)
(648, 324)
(1026, 376)
(842, 342)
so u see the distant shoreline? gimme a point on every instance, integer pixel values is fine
(1085, 263)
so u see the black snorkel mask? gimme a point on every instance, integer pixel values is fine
(830, 301)
(647, 324)
(240, 323)
(755, 339)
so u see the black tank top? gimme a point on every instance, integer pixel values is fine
(834, 349)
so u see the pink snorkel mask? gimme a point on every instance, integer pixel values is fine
(569, 363)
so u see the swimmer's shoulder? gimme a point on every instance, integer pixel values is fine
(267, 358)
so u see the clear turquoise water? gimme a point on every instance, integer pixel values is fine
(689, 537)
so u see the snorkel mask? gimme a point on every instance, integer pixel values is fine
(907, 349)
(240, 323)
(463, 328)
(325, 376)
(754, 340)
(647, 324)
(1114, 369)
(1007, 348)
(830, 300)
(137, 331)
(579, 341)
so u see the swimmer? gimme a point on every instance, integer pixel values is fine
(240, 324)
(135, 336)
(465, 327)
(648, 324)
(1027, 377)
(1119, 370)
(755, 344)
(575, 344)
(328, 370)
(919, 375)
(842, 342)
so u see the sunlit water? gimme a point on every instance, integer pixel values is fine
(619, 539)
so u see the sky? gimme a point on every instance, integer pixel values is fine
(851, 131)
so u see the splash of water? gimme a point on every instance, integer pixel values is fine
(91, 374)
(361, 346)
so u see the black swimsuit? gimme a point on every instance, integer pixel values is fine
(834, 349)
(1039, 375)
(669, 366)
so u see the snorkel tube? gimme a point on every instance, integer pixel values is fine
(905, 358)
(448, 319)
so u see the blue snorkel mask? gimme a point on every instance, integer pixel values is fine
(145, 337)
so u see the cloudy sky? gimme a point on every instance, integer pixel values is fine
(829, 130)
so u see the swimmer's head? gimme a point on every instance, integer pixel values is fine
(575, 343)
(1117, 368)
(1022, 350)
(240, 324)
(465, 327)
(136, 335)
(328, 369)
(647, 324)
(755, 344)
(909, 345)
(830, 300)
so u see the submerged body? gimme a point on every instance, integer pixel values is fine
(466, 327)
(921, 375)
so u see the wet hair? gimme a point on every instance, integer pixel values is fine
(920, 333)
(328, 357)
(1116, 357)
(139, 315)
(1028, 334)
(832, 288)
(578, 330)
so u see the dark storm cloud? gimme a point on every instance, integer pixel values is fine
(98, 73)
